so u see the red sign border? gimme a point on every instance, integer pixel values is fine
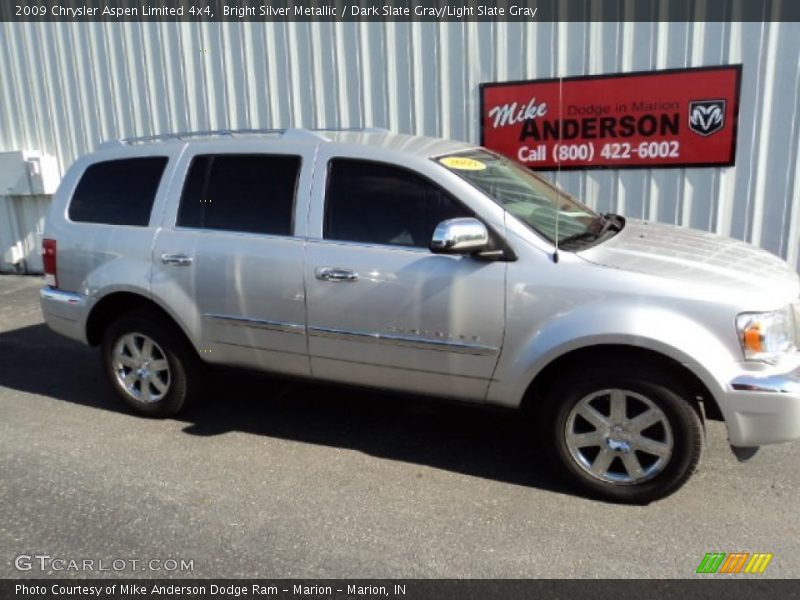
(737, 93)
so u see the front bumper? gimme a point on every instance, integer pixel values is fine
(65, 312)
(763, 409)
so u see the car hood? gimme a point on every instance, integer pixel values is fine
(696, 257)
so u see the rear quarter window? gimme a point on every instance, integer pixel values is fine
(118, 192)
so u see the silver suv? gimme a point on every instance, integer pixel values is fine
(426, 266)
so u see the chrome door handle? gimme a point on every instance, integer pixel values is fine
(178, 260)
(335, 274)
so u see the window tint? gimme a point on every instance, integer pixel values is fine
(240, 192)
(118, 192)
(381, 204)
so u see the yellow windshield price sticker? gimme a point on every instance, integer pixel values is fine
(462, 163)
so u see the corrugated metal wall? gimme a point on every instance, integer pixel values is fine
(64, 87)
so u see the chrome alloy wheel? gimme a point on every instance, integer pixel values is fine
(619, 436)
(141, 367)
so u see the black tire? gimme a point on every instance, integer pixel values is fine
(682, 417)
(183, 375)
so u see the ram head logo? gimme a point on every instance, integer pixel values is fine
(706, 116)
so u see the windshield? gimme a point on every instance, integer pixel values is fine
(528, 197)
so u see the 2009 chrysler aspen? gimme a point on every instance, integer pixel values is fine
(425, 266)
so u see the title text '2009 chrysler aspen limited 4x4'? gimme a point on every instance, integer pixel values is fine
(425, 266)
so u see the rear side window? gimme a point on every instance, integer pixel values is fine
(118, 192)
(376, 203)
(252, 193)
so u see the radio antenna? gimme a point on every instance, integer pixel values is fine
(558, 162)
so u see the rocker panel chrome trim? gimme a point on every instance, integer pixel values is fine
(402, 340)
(280, 326)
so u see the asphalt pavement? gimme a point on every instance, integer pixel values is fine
(272, 478)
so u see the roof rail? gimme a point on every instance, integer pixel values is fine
(309, 134)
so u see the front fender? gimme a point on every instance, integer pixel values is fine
(672, 334)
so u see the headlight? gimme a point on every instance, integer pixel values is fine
(767, 336)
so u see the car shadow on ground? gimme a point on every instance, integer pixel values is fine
(471, 440)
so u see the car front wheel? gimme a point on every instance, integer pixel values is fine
(623, 436)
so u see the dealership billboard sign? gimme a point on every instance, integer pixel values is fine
(673, 118)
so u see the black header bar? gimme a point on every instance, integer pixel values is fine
(398, 10)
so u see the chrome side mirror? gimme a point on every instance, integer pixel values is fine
(459, 236)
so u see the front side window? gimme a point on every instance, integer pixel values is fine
(251, 193)
(541, 206)
(118, 192)
(376, 203)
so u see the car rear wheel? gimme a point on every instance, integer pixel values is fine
(149, 365)
(623, 436)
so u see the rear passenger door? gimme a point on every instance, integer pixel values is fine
(228, 260)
